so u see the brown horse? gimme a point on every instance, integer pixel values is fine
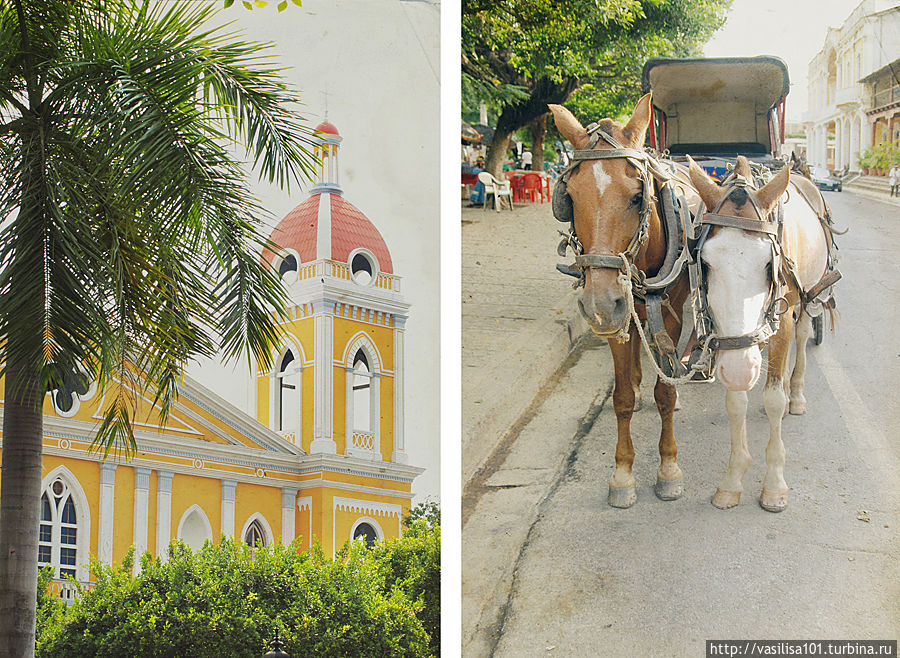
(762, 276)
(614, 209)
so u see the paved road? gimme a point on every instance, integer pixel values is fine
(550, 570)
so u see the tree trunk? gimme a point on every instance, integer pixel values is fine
(538, 130)
(497, 152)
(20, 510)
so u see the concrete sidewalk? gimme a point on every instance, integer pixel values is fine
(519, 321)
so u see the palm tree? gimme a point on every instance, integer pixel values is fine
(130, 241)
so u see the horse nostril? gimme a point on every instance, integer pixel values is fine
(619, 307)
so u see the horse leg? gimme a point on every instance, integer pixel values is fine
(775, 492)
(668, 477)
(636, 373)
(803, 332)
(622, 492)
(730, 487)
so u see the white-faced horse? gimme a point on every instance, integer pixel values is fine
(764, 265)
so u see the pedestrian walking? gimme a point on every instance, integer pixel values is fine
(894, 174)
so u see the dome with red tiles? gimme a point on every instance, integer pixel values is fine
(328, 226)
(327, 128)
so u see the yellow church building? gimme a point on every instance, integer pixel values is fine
(324, 457)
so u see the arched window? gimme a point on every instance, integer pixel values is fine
(362, 385)
(287, 401)
(363, 267)
(288, 266)
(194, 528)
(365, 533)
(255, 536)
(76, 387)
(58, 534)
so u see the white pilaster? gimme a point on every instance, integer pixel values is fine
(348, 410)
(107, 510)
(141, 513)
(163, 512)
(288, 531)
(228, 487)
(323, 236)
(323, 433)
(399, 454)
(375, 413)
(305, 503)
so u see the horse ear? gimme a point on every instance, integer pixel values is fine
(569, 126)
(769, 193)
(742, 167)
(706, 187)
(636, 130)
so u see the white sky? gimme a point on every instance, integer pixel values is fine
(793, 30)
(379, 61)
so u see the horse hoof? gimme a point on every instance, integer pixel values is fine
(638, 403)
(798, 408)
(622, 497)
(669, 489)
(773, 501)
(726, 499)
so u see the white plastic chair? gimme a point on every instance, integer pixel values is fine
(497, 188)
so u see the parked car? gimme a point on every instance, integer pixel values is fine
(824, 180)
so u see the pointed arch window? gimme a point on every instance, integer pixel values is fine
(287, 402)
(362, 386)
(58, 533)
(363, 419)
(255, 537)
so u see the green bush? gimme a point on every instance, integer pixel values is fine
(223, 601)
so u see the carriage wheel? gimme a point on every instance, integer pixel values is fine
(818, 328)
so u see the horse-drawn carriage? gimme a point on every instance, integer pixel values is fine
(701, 276)
(716, 109)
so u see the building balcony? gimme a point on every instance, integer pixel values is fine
(849, 97)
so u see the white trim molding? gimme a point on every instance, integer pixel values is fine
(163, 513)
(141, 513)
(228, 487)
(323, 433)
(107, 511)
(288, 496)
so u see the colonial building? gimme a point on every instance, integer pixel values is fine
(847, 86)
(323, 459)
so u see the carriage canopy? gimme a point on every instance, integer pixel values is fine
(717, 106)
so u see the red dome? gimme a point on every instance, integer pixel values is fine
(327, 128)
(343, 228)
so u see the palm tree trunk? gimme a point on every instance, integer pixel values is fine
(20, 511)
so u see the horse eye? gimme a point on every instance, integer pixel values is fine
(637, 200)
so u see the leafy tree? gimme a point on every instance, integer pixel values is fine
(262, 3)
(130, 237)
(551, 48)
(225, 601)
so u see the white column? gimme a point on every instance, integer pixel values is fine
(288, 532)
(228, 487)
(838, 143)
(107, 511)
(323, 433)
(141, 513)
(274, 391)
(163, 512)
(854, 144)
(399, 454)
(348, 410)
(375, 413)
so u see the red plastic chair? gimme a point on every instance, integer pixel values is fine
(533, 185)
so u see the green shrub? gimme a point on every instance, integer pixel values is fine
(223, 601)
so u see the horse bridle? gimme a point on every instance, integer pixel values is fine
(647, 169)
(776, 304)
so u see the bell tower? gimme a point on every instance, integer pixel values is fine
(336, 387)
